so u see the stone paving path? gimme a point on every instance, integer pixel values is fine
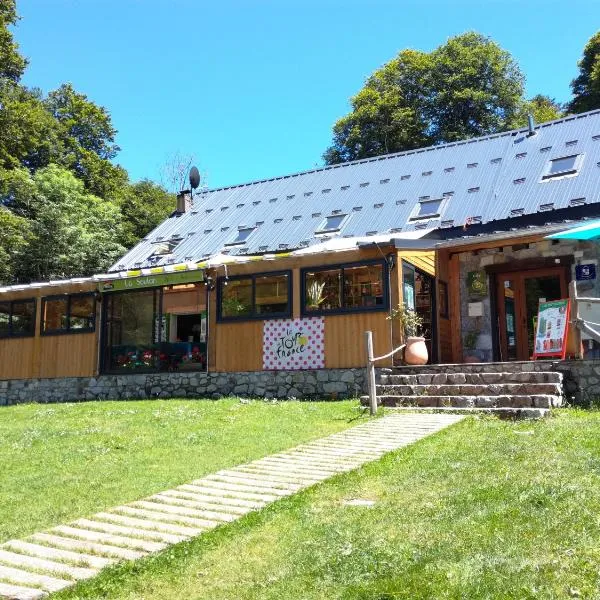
(58, 558)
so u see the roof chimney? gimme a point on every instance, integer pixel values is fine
(530, 125)
(184, 201)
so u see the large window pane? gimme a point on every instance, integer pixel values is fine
(323, 290)
(54, 316)
(236, 298)
(271, 294)
(82, 313)
(131, 331)
(363, 286)
(23, 318)
(4, 318)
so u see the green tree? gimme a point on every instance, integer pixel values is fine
(467, 87)
(73, 232)
(12, 64)
(586, 86)
(144, 206)
(15, 235)
(541, 108)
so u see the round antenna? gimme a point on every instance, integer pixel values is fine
(194, 177)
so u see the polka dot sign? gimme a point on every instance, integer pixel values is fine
(291, 344)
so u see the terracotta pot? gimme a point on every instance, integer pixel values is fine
(415, 352)
(469, 358)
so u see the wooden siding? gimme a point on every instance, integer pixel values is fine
(345, 339)
(454, 308)
(444, 324)
(238, 346)
(50, 356)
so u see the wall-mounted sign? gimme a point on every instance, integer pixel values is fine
(552, 328)
(477, 283)
(137, 283)
(585, 272)
(475, 309)
(291, 344)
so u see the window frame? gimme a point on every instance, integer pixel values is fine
(324, 230)
(415, 216)
(547, 175)
(254, 316)
(10, 334)
(68, 331)
(345, 311)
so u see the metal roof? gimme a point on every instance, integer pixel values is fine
(485, 179)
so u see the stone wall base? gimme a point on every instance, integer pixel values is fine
(311, 384)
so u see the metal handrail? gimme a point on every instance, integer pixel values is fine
(580, 323)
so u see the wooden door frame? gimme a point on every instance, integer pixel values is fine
(519, 275)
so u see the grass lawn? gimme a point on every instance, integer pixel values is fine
(485, 509)
(63, 461)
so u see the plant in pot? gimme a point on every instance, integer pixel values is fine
(469, 344)
(415, 351)
(314, 295)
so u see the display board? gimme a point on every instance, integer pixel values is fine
(290, 344)
(552, 329)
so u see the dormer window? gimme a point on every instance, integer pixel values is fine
(164, 248)
(428, 209)
(563, 166)
(332, 224)
(242, 236)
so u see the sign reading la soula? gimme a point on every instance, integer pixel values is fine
(293, 344)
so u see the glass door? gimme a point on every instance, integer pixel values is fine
(518, 297)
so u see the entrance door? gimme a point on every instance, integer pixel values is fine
(518, 297)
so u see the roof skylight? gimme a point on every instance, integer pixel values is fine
(332, 224)
(243, 234)
(428, 209)
(563, 166)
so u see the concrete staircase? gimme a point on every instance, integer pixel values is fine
(507, 389)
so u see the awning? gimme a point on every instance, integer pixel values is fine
(589, 231)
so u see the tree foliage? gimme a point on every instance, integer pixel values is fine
(586, 86)
(467, 87)
(66, 209)
(12, 64)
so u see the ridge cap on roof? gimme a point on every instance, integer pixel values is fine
(511, 132)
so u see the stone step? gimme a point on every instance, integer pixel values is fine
(489, 367)
(214, 499)
(200, 504)
(106, 538)
(18, 592)
(213, 517)
(67, 543)
(494, 389)
(27, 578)
(69, 557)
(158, 515)
(14, 559)
(470, 378)
(502, 413)
(132, 532)
(528, 401)
(179, 530)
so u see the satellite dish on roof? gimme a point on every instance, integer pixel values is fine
(194, 178)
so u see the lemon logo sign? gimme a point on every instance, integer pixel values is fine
(294, 341)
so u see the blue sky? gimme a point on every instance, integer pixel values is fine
(253, 87)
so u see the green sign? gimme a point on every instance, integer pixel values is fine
(552, 329)
(150, 281)
(477, 283)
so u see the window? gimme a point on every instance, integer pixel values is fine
(566, 165)
(242, 236)
(331, 224)
(69, 314)
(259, 296)
(427, 209)
(17, 318)
(165, 247)
(345, 288)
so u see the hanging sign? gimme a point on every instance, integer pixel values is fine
(552, 329)
(477, 283)
(292, 344)
(149, 281)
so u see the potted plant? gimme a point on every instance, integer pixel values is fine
(469, 344)
(314, 294)
(415, 351)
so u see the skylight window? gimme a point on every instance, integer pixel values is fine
(332, 224)
(243, 234)
(565, 165)
(428, 209)
(163, 248)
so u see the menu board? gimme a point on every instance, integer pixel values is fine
(552, 328)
